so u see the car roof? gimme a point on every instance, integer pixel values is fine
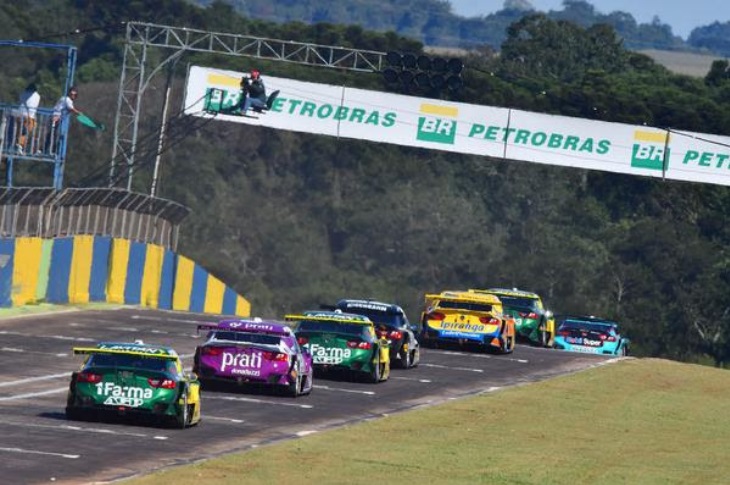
(352, 305)
(510, 292)
(465, 296)
(336, 316)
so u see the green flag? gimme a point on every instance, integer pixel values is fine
(88, 122)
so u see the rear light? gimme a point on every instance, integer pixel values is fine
(162, 383)
(532, 315)
(212, 351)
(396, 335)
(88, 377)
(275, 356)
(608, 338)
(356, 344)
(303, 340)
(489, 320)
(435, 316)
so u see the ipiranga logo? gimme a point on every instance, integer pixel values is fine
(650, 150)
(438, 125)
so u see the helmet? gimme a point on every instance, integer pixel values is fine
(255, 73)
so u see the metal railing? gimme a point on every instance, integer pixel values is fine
(32, 139)
(47, 213)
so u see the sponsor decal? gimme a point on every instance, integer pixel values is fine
(650, 150)
(327, 355)
(591, 342)
(241, 363)
(122, 395)
(463, 327)
(540, 139)
(368, 306)
(229, 95)
(464, 335)
(136, 348)
(437, 124)
(707, 159)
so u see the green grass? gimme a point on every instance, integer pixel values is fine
(642, 421)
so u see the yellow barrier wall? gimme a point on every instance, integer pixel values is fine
(28, 258)
(214, 295)
(80, 277)
(183, 284)
(118, 261)
(150, 294)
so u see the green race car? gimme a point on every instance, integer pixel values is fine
(343, 342)
(133, 379)
(533, 322)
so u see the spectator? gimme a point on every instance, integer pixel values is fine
(253, 92)
(61, 110)
(25, 116)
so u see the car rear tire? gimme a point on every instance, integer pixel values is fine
(374, 376)
(295, 388)
(182, 420)
(405, 361)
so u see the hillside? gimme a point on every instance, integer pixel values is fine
(292, 220)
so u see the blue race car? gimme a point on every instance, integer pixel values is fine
(591, 335)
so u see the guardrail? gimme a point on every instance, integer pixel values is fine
(48, 213)
(32, 139)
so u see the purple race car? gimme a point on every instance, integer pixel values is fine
(254, 352)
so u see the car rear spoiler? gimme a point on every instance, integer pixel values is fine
(477, 298)
(94, 350)
(327, 318)
(260, 328)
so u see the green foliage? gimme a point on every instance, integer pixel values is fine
(293, 220)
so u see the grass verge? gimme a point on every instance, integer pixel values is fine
(644, 421)
(41, 308)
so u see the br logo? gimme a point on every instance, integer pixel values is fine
(650, 150)
(437, 124)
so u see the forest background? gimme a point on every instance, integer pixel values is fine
(294, 220)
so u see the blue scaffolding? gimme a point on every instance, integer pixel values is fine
(44, 142)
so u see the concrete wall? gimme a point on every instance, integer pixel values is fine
(82, 269)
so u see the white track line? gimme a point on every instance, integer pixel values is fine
(219, 418)
(34, 452)
(340, 389)
(437, 366)
(36, 336)
(35, 379)
(411, 379)
(84, 429)
(260, 401)
(33, 394)
(34, 352)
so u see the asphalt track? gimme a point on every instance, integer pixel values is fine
(38, 444)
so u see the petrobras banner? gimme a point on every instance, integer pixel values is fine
(466, 128)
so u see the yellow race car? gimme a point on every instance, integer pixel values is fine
(466, 317)
(533, 322)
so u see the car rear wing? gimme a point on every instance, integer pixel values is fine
(463, 297)
(354, 319)
(248, 327)
(152, 354)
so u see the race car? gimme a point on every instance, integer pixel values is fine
(533, 322)
(592, 335)
(391, 323)
(133, 379)
(466, 317)
(254, 352)
(341, 341)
